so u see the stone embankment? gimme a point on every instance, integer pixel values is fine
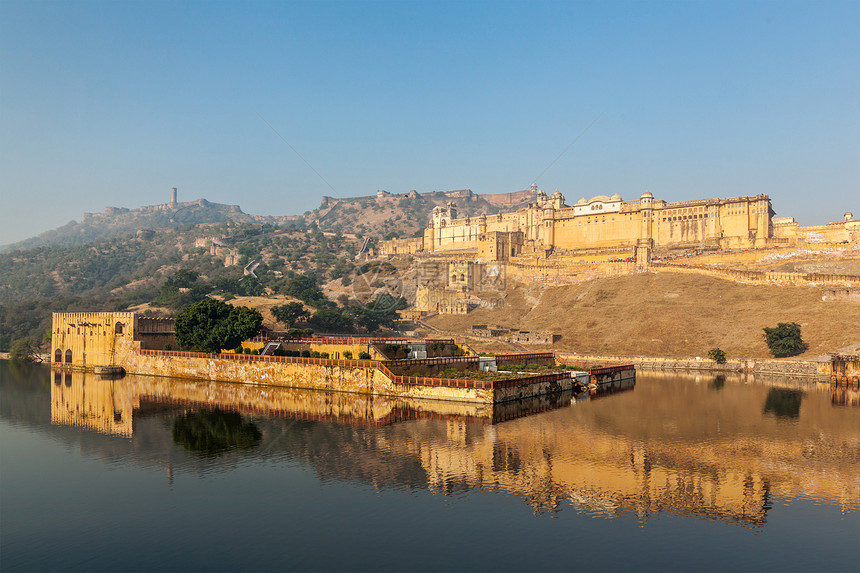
(778, 367)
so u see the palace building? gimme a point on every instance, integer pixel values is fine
(550, 226)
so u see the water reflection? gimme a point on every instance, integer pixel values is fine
(211, 432)
(783, 403)
(671, 444)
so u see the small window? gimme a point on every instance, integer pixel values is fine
(68, 356)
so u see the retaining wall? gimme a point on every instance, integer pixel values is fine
(786, 367)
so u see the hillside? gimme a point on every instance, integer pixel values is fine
(390, 216)
(668, 314)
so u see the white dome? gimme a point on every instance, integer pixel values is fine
(615, 197)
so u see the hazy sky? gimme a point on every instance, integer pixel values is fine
(114, 103)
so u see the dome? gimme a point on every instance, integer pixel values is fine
(582, 201)
(615, 197)
(601, 198)
(647, 194)
(557, 195)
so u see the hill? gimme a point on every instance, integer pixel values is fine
(390, 215)
(667, 314)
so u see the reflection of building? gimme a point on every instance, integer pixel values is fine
(88, 401)
(699, 451)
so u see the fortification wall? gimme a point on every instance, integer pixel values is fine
(761, 277)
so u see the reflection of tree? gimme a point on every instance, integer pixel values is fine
(210, 432)
(783, 403)
(718, 382)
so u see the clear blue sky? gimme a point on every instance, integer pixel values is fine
(114, 103)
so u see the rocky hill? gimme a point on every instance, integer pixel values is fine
(388, 215)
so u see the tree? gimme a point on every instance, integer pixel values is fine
(717, 355)
(210, 325)
(332, 320)
(290, 313)
(25, 350)
(784, 339)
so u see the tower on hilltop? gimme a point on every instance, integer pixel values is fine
(173, 196)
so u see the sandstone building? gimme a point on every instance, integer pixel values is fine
(548, 226)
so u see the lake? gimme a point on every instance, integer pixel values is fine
(676, 472)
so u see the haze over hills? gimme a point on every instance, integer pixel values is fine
(382, 215)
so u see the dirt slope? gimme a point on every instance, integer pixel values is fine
(667, 314)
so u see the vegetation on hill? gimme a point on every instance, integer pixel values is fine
(167, 271)
(391, 217)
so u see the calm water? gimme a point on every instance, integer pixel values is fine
(677, 473)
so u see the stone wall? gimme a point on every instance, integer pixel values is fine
(784, 367)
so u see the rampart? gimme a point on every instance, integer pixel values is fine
(763, 276)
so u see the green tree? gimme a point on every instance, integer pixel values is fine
(332, 320)
(717, 355)
(290, 313)
(25, 350)
(211, 325)
(784, 339)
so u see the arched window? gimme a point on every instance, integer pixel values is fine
(68, 356)
(58, 355)
(118, 328)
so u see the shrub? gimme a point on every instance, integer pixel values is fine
(246, 350)
(717, 355)
(306, 353)
(347, 354)
(315, 354)
(364, 356)
(323, 354)
(784, 339)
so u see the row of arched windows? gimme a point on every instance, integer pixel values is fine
(58, 356)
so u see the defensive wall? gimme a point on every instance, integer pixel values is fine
(763, 276)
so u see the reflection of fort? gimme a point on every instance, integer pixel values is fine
(718, 451)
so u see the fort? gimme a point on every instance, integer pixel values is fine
(129, 342)
(548, 228)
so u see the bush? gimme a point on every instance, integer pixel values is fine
(784, 339)
(306, 353)
(347, 354)
(364, 356)
(717, 355)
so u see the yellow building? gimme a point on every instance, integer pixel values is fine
(90, 339)
(549, 226)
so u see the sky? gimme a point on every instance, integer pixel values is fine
(273, 105)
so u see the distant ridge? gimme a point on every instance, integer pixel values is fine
(120, 222)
